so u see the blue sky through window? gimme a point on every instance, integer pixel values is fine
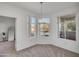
(33, 20)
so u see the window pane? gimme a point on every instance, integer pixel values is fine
(71, 29)
(67, 27)
(44, 26)
(33, 26)
(61, 29)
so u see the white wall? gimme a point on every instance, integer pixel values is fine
(11, 33)
(22, 40)
(66, 44)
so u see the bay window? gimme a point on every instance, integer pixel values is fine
(39, 27)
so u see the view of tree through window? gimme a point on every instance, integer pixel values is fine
(67, 27)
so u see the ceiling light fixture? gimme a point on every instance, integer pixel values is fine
(41, 9)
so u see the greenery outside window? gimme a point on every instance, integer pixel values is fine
(67, 27)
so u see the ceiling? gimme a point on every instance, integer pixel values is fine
(48, 7)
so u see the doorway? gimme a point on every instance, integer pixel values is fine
(7, 35)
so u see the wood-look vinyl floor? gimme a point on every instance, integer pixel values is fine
(7, 49)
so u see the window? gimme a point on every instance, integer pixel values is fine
(44, 26)
(39, 27)
(67, 27)
(32, 26)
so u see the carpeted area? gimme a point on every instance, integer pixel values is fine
(7, 49)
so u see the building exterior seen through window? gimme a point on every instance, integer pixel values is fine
(44, 26)
(39, 27)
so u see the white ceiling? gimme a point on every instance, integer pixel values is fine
(48, 7)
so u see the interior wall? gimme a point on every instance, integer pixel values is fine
(11, 33)
(63, 43)
(21, 25)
